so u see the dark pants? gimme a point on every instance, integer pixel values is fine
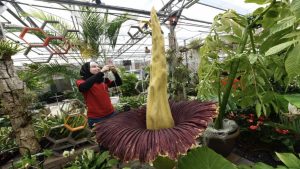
(92, 121)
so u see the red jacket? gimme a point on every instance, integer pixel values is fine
(97, 99)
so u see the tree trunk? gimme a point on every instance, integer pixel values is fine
(12, 92)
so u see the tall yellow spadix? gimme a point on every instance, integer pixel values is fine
(158, 109)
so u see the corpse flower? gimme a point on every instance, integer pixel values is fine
(162, 128)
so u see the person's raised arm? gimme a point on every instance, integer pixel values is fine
(118, 80)
(85, 86)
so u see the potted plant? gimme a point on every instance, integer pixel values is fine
(219, 76)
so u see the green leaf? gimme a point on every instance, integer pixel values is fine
(163, 163)
(258, 11)
(61, 27)
(275, 107)
(112, 162)
(262, 166)
(103, 156)
(293, 61)
(114, 29)
(278, 73)
(295, 8)
(260, 80)
(236, 28)
(258, 109)
(264, 110)
(272, 13)
(252, 58)
(269, 40)
(243, 166)
(280, 47)
(283, 24)
(268, 97)
(268, 22)
(230, 39)
(225, 25)
(291, 35)
(204, 158)
(294, 99)
(289, 159)
(260, 2)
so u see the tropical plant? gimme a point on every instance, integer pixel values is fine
(244, 50)
(195, 44)
(32, 161)
(91, 160)
(56, 22)
(6, 139)
(129, 81)
(132, 101)
(44, 123)
(205, 158)
(32, 81)
(37, 76)
(98, 29)
(279, 135)
(290, 120)
(47, 71)
(8, 48)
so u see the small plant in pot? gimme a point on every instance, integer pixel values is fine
(221, 69)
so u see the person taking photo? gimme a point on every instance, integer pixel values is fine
(94, 87)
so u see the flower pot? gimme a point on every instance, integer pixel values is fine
(222, 141)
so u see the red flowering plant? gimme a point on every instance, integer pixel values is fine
(265, 129)
(248, 122)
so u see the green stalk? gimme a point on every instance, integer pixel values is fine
(219, 86)
(234, 68)
(252, 41)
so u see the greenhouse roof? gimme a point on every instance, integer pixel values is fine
(194, 22)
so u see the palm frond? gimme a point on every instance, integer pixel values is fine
(61, 27)
(49, 70)
(114, 29)
(97, 28)
(93, 24)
